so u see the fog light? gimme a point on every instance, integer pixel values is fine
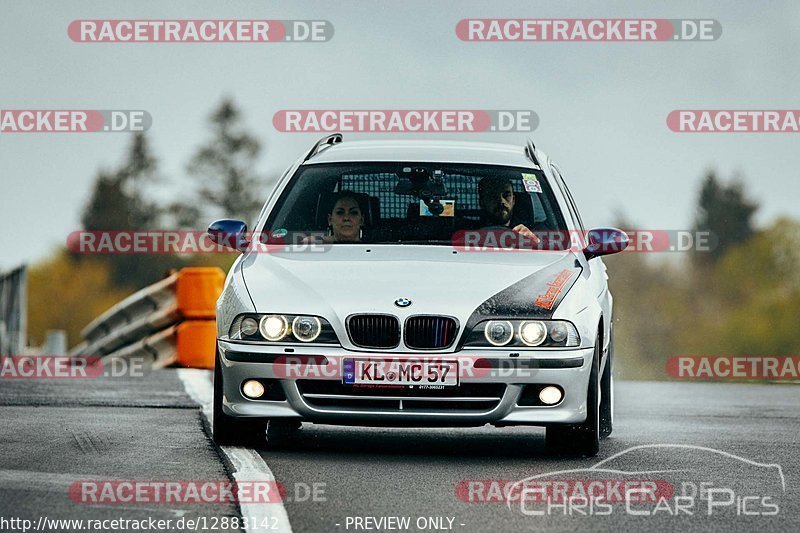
(550, 395)
(253, 389)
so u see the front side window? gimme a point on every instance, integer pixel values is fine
(568, 197)
(411, 203)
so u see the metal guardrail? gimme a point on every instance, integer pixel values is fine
(169, 322)
(13, 311)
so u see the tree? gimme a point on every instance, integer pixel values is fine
(224, 168)
(118, 203)
(726, 212)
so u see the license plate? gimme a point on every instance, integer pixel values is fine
(398, 372)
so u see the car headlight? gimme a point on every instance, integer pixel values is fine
(282, 328)
(306, 328)
(559, 332)
(533, 332)
(498, 332)
(248, 326)
(524, 334)
(274, 327)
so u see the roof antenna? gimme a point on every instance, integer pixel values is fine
(323, 143)
(530, 151)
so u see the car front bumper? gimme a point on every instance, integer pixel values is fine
(496, 370)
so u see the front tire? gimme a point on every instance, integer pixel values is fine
(231, 431)
(607, 393)
(584, 438)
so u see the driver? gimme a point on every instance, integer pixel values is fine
(496, 197)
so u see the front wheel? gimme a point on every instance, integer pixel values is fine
(607, 393)
(581, 439)
(228, 430)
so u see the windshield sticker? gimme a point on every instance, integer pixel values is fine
(531, 183)
(448, 209)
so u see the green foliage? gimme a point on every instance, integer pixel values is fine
(726, 212)
(745, 303)
(648, 311)
(755, 296)
(228, 185)
(67, 293)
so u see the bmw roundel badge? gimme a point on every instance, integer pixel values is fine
(402, 302)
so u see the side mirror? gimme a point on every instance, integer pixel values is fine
(229, 233)
(605, 241)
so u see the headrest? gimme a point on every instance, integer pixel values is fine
(523, 209)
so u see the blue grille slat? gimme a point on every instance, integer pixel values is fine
(430, 332)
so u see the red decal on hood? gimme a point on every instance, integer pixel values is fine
(554, 288)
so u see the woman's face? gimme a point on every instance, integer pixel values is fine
(346, 220)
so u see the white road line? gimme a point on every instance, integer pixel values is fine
(248, 464)
(37, 481)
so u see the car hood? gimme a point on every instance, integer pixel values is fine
(348, 279)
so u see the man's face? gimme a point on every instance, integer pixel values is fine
(497, 202)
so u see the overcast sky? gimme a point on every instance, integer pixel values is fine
(602, 106)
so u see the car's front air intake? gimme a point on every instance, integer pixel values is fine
(374, 331)
(430, 332)
(333, 396)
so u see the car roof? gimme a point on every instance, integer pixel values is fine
(436, 151)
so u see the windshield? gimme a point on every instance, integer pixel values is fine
(410, 203)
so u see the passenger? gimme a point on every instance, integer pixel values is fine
(345, 219)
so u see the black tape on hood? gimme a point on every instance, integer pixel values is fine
(536, 296)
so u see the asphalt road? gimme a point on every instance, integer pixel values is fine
(59, 432)
(738, 443)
